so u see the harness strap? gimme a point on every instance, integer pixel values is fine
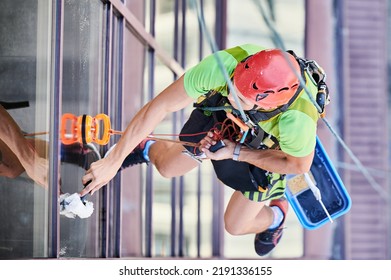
(257, 141)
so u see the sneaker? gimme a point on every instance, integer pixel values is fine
(79, 154)
(137, 156)
(267, 240)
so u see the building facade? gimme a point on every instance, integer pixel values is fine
(87, 57)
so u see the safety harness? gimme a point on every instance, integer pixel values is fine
(213, 107)
(214, 101)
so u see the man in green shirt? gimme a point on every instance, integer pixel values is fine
(268, 89)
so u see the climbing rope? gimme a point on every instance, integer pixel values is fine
(87, 129)
(214, 48)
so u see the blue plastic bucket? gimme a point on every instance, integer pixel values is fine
(334, 195)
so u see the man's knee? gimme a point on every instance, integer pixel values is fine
(232, 226)
(243, 216)
(173, 164)
(165, 170)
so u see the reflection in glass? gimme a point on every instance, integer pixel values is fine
(23, 91)
(81, 94)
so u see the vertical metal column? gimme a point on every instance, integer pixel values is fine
(106, 94)
(151, 89)
(178, 120)
(217, 218)
(174, 130)
(116, 184)
(181, 122)
(199, 177)
(54, 151)
(221, 24)
(218, 192)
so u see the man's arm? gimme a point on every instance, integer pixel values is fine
(172, 99)
(276, 160)
(10, 133)
(271, 160)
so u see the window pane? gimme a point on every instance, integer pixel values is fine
(83, 62)
(289, 23)
(25, 67)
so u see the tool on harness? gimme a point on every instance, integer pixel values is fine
(219, 142)
(318, 76)
(223, 120)
(250, 133)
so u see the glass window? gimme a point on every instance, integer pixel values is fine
(182, 207)
(289, 19)
(82, 92)
(25, 68)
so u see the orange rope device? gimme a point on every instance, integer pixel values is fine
(237, 121)
(85, 129)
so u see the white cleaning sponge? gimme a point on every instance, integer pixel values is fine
(72, 206)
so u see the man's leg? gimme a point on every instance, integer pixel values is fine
(169, 159)
(244, 216)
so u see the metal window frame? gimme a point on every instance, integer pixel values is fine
(147, 38)
(54, 138)
(111, 199)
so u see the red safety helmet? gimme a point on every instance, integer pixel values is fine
(267, 79)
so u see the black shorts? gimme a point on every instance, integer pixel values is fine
(240, 176)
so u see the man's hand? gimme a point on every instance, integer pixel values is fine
(225, 152)
(99, 174)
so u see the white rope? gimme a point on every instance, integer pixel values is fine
(214, 48)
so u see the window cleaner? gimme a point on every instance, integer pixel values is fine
(315, 190)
